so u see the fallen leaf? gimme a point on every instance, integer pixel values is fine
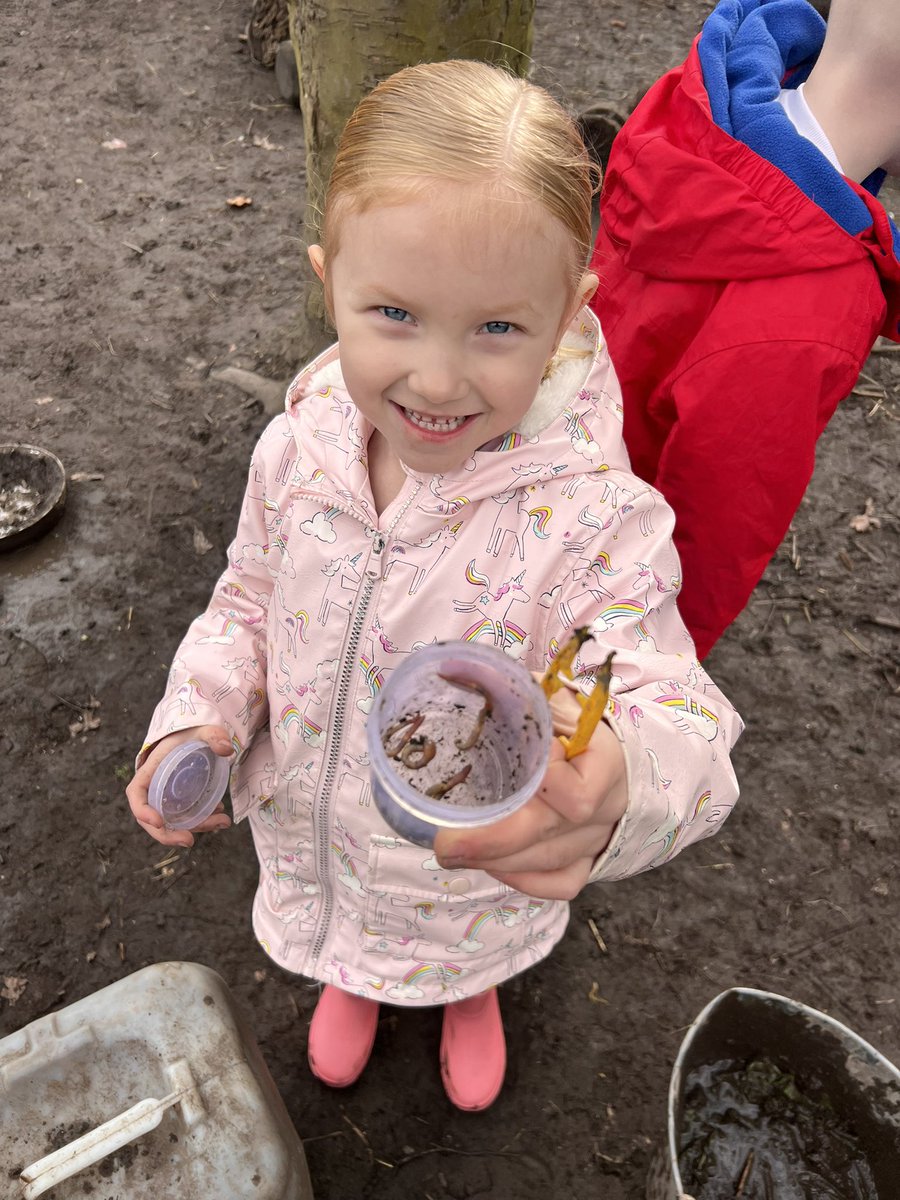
(86, 477)
(202, 544)
(90, 956)
(85, 723)
(86, 720)
(264, 144)
(239, 201)
(114, 144)
(13, 987)
(45, 399)
(866, 519)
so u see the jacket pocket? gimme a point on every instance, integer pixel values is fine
(254, 778)
(416, 910)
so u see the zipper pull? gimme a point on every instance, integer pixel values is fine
(376, 562)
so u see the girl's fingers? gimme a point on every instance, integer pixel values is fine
(555, 854)
(563, 884)
(533, 823)
(214, 822)
(589, 785)
(582, 794)
(140, 809)
(167, 837)
(151, 821)
(137, 791)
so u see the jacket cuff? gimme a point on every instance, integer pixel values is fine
(617, 840)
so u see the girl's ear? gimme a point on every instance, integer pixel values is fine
(317, 258)
(585, 291)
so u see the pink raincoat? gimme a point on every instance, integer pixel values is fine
(322, 599)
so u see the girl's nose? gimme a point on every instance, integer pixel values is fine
(439, 380)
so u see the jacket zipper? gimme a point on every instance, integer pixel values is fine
(322, 824)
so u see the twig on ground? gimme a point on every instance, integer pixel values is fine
(883, 622)
(745, 1174)
(360, 1134)
(856, 642)
(867, 553)
(592, 925)
(433, 1149)
(175, 878)
(828, 937)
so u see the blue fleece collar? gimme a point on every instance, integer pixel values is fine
(749, 50)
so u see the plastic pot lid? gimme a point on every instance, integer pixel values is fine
(188, 784)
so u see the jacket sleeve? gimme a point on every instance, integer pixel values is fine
(676, 728)
(218, 674)
(737, 459)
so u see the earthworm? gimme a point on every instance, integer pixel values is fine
(437, 790)
(471, 686)
(413, 754)
(422, 750)
(411, 724)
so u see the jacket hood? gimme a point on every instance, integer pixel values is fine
(570, 416)
(708, 133)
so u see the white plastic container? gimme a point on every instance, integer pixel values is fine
(151, 1087)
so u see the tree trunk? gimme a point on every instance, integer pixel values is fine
(345, 47)
(267, 28)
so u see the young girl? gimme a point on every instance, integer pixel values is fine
(452, 469)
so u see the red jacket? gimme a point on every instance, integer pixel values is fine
(738, 313)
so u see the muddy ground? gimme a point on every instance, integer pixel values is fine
(127, 281)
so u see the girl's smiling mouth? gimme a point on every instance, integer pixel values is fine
(428, 423)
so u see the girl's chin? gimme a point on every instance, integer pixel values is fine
(431, 459)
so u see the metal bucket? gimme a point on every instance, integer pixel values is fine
(153, 1086)
(862, 1086)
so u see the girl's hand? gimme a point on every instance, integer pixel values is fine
(548, 848)
(216, 737)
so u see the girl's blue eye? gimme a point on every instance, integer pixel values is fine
(498, 326)
(393, 314)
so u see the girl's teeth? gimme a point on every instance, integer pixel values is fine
(434, 424)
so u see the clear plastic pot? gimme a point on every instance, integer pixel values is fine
(463, 715)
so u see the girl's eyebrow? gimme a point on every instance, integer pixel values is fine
(519, 312)
(384, 296)
(515, 308)
(371, 291)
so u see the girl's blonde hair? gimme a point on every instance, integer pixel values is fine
(469, 123)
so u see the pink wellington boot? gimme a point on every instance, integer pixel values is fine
(341, 1035)
(473, 1051)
